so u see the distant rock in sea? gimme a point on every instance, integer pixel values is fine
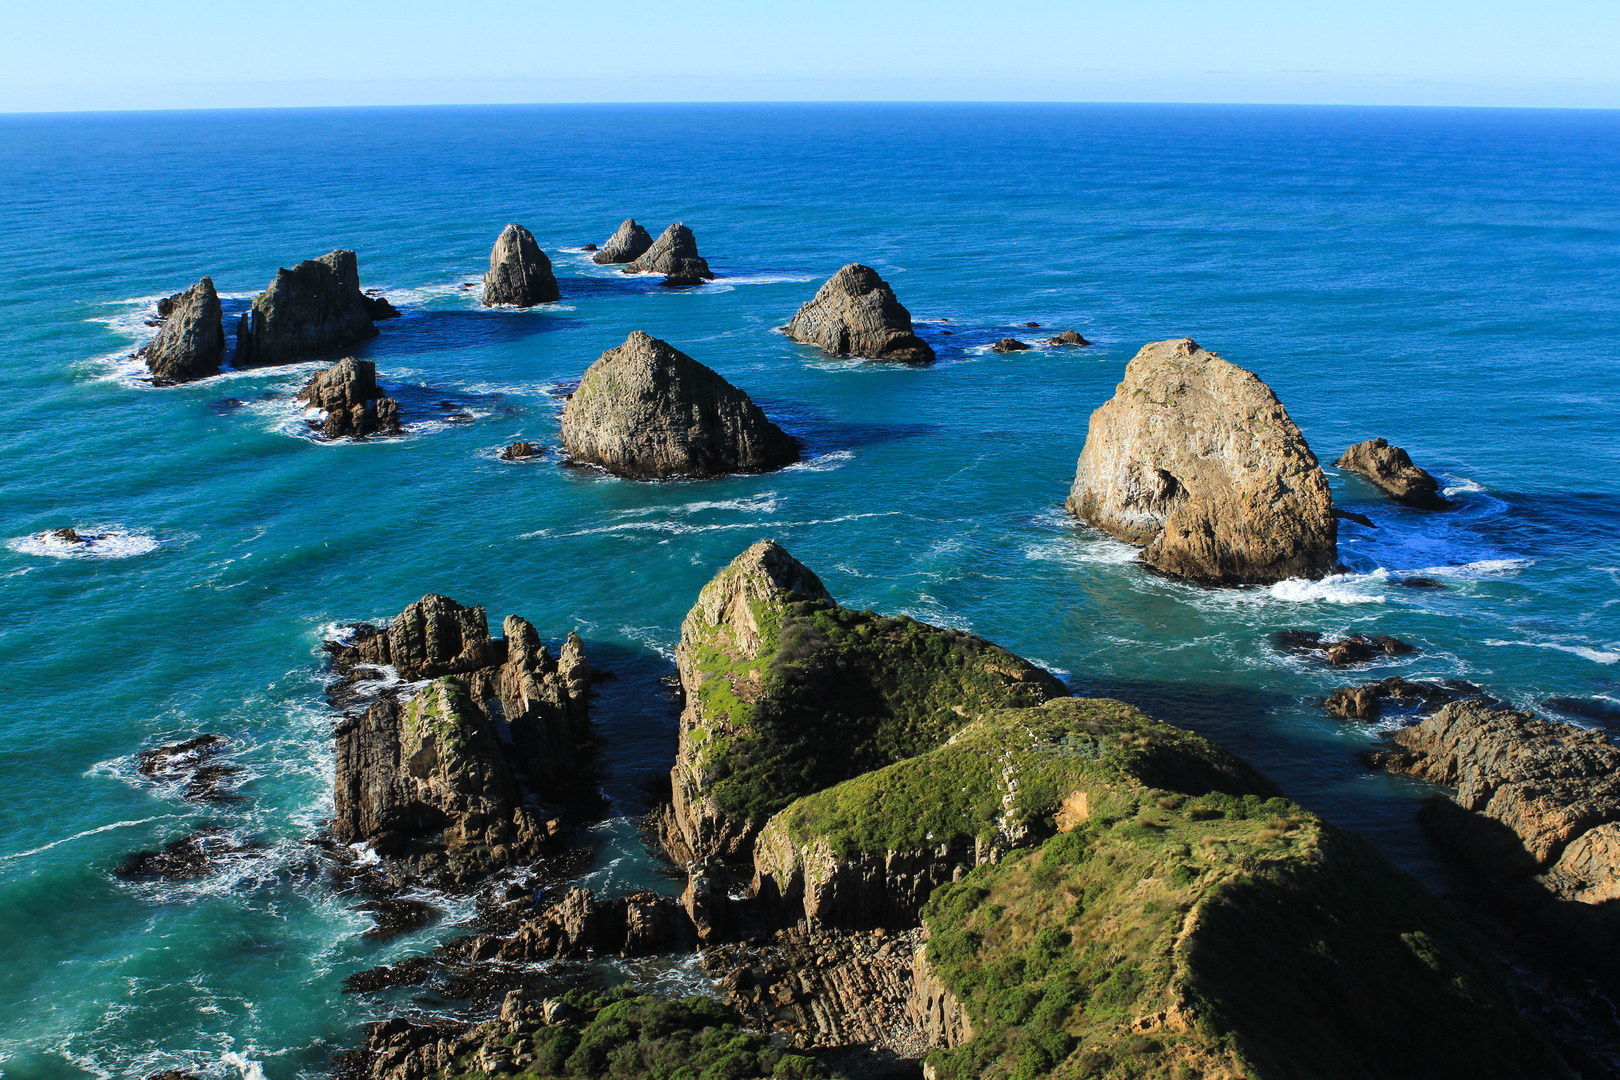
(520, 451)
(1196, 461)
(354, 405)
(191, 341)
(519, 272)
(1391, 470)
(855, 313)
(315, 307)
(1068, 337)
(627, 244)
(1009, 344)
(674, 255)
(647, 411)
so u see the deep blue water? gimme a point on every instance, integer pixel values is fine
(1448, 279)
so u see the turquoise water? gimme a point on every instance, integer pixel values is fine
(1447, 279)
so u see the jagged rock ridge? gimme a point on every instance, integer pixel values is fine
(353, 402)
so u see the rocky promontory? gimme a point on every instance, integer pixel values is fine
(1391, 470)
(315, 307)
(627, 244)
(457, 777)
(855, 313)
(788, 693)
(519, 272)
(1196, 461)
(647, 411)
(190, 342)
(347, 392)
(675, 255)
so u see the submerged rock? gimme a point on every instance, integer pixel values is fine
(354, 405)
(1392, 471)
(315, 307)
(69, 535)
(675, 255)
(787, 693)
(194, 856)
(1340, 652)
(1068, 337)
(647, 411)
(191, 342)
(627, 244)
(519, 272)
(1008, 344)
(855, 313)
(189, 765)
(1196, 461)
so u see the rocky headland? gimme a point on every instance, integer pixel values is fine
(675, 255)
(519, 272)
(347, 392)
(627, 244)
(647, 411)
(315, 307)
(190, 342)
(468, 775)
(1196, 461)
(1391, 470)
(855, 313)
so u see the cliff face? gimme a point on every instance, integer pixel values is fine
(647, 411)
(788, 693)
(519, 272)
(1196, 461)
(191, 342)
(315, 307)
(855, 313)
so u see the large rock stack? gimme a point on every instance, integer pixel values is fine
(855, 313)
(519, 272)
(627, 244)
(1196, 461)
(315, 307)
(675, 255)
(190, 344)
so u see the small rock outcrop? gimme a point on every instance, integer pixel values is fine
(1068, 337)
(1391, 470)
(475, 755)
(675, 255)
(519, 272)
(1196, 461)
(1367, 702)
(521, 451)
(315, 307)
(188, 766)
(1009, 344)
(190, 342)
(647, 411)
(354, 405)
(626, 245)
(1340, 652)
(855, 313)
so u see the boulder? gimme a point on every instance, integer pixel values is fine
(1366, 702)
(647, 411)
(1196, 461)
(354, 405)
(855, 313)
(521, 451)
(313, 308)
(1009, 344)
(190, 343)
(787, 693)
(1340, 652)
(675, 255)
(519, 272)
(1068, 337)
(626, 245)
(1392, 471)
(69, 535)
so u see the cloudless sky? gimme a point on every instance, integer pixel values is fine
(96, 54)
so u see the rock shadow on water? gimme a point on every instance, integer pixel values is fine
(431, 329)
(821, 434)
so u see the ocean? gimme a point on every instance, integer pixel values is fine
(1447, 279)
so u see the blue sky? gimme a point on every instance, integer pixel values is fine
(87, 54)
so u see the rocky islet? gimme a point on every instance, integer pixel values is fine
(674, 254)
(1390, 469)
(519, 273)
(351, 401)
(312, 308)
(190, 342)
(855, 313)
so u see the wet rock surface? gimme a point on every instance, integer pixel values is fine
(1196, 461)
(353, 402)
(519, 272)
(312, 308)
(855, 313)
(1418, 697)
(189, 766)
(1342, 651)
(647, 411)
(1391, 470)
(190, 342)
(627, 244)
(675, 255)
(1007, 345)
(197, 855)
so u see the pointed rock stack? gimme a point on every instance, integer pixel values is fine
(647, 411)
(1391, 470)
(1196, 461)
(315, 307)
(628, 244)
(191, 342)
(856, 314)
(354, 405)
(519, 272)
(675, 255)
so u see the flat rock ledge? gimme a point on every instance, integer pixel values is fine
(626, 245)
(315, 307)
(354, 404)
(855, 313)
(519, 272)
(190, 342)
(647, 411)
(1196, 461)
(1391, 470)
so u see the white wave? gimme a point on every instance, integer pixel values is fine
(761, 279)
(1586, 652)
(680, 528)
(77, 836)
(1461, 485)
(249, 1069)
(763, 503)
(97, 542)
(822, 462)
(1333, 589)
(364, 856)
(1475, 570)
